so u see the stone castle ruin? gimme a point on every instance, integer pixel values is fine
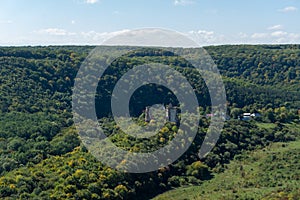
(171, 114)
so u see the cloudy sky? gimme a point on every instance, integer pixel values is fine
(209, 22)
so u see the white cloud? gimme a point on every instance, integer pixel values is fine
(275, 27)
(288, 9)
(6, 21)
(243, 35)
(183, 2)
(63, 36)
(55, 32)
(284, 37)
(152, 37)
(100, 37)
(204, 37)
(73, 22)
(59, 36)
(259, 35)
(279, 34)
(203, 34)
(275, 37)
(91, 1)
(294, 37)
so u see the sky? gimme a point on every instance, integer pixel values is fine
(90, 22)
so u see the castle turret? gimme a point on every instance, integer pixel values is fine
(147, 114)
(172, 113)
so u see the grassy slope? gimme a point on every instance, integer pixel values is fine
(270, 173)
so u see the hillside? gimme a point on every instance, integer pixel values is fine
(41, 155)
(270, 173)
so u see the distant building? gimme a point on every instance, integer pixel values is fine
(249, 116)
(246, 116)
(209, 115)
(255, 115)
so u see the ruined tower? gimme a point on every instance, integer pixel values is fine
(172, 113)
(147, 114)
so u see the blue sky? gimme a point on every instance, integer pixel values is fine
(209, 22)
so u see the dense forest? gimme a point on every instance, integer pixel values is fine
(42, 156)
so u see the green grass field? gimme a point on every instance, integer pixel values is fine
(269, 173)
(266, 125)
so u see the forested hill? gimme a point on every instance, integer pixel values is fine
(41, 156)
(263, 64)
(40, 78)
